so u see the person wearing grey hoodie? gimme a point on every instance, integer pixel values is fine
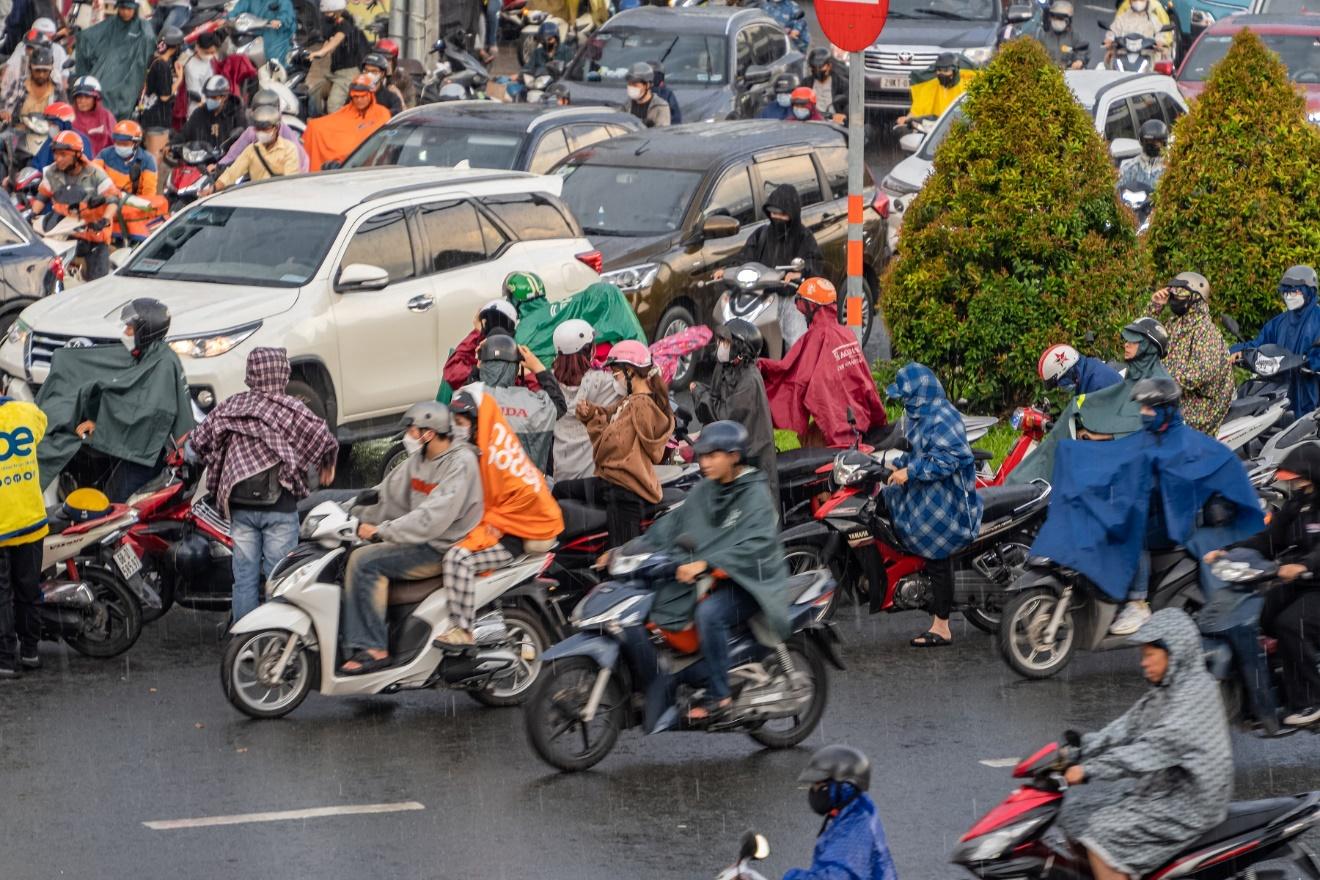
(426, 505)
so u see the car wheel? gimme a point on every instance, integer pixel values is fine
(9, 316)
(310, 397)
(675, 320)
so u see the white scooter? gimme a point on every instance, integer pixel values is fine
(280, 651)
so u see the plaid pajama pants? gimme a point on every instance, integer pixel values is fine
(460, 571)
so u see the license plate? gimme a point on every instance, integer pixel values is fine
(894, 81)
(127, 561)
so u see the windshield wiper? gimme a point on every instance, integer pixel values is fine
(945, 13)
(596, 230)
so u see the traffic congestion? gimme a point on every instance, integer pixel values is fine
(408, 423)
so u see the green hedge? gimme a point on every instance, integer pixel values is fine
(1240, 202)
(1016, 241)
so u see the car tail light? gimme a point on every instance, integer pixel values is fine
(57, 268)
(1164, 67)
(880, 203)
(594, 259)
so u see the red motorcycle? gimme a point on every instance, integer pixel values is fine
(1034, 423)
(1018, 839)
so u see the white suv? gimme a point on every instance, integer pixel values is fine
(368, 277)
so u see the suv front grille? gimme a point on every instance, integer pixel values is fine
(42, 345)
(891, 60)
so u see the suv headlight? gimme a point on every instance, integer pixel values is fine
(18, 334)
(212, 344)
(978, 54)
(632, 278)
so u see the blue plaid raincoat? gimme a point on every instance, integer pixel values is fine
(852, 846)
(937, 512)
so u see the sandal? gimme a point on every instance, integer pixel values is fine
(365, 663)
(707, 711)
(930, 639)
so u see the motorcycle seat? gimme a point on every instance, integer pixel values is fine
(803, 462)
(579, 519)
(1001, 501)
(412, 592)
(1246, 406)
(1244, 816)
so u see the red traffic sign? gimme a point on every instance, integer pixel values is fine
(852, 25)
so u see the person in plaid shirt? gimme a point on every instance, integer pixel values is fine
(257, 447)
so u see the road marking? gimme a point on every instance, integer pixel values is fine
(283, 815)
(1000, 762)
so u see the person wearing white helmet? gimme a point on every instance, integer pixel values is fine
(581, 380)
(1062, 366)
(41, 33)
(346, 47)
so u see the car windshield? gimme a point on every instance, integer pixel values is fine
(628, 201)
(429, 143)
(952, 10)
(222, 245)
(941, 131)
(688, 59)
(1300, 54)
(1289, 7)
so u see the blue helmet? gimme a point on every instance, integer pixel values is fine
(547, 30)
(722, 436)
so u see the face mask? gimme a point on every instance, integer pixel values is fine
(635, 93)
(1179, 306)
(1152, 148)
(124, 152)
(947, 80)
(1059, 25)
(130, 341)
(213, 104)
(723, 353)
(412, 445)
(818, 797)
(620, 386)
(784, 100)
(460, 433)
(1152, 423)
(1294, 300)
(802, 112)
(267, 137)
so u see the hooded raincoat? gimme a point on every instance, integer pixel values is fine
(937, 511)
(601, 305)
(98, 124)
(1198, 361)
(777, 244)
(851, 846)
(1108, 411)
(737, 393)
(735, 529)
(117, 53)
(1298, 331)
(333, 136)
(1161, 774)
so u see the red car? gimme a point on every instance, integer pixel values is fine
(1296, 38)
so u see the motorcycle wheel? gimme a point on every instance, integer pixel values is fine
(526, 46)
(528, 635)
(553, 716)
(1020, 634)
(394, 456)
(802, 558)
(246, 657)
(163, 584)
(784, 733)
(114, 622)
(985, 621)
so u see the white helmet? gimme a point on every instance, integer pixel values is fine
(1055, 362)
(504, 307)
(333, 6)
(573, 335)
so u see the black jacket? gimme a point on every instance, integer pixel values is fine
(1292, 534)
(214, 128)
(776, 245)
(737, 393)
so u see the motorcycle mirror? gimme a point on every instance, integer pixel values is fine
(1102, 25)
(1089, 338)
(1231, 325)
(1081, 47)
(798, 264)
(753, 846)
(1072, 738)
(366, 497)
(1167, 29)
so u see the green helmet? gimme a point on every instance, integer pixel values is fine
(521, 287)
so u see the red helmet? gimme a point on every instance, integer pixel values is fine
(802, 95)
(389, 47)
(61, 111)
(68, 140)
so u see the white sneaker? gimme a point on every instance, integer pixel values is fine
(1303, 717)
(1130, 619)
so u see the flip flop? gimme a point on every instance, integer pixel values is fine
(366, 663)
(708, 711)
(930, 640)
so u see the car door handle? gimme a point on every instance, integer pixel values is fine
(420, 303)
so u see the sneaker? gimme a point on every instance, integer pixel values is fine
(1130, 619)
(1303, 717)
(455, 637)
(29, 660)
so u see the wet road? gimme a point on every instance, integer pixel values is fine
(90, 750)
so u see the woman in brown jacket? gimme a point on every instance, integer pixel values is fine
(628, 439)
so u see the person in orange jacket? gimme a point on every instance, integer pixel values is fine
(133, 171)
(75, 187)
(333, 136)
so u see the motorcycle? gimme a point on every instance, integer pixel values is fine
(455, 67)
(752, 293)
(1260, 407)
(596, 681)
(277, 653)
(1139, 198)
(1134, 53)
(1034, 423)
(204, 12)
(1018, 837)
(191, 172)
(753, 848)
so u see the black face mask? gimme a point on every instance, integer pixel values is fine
(818, 797)
(820, 73)
(1179, 306)
(1152, 148)
(947, 80)
(551, 45)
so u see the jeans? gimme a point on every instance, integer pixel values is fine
(717, 614)
(493, 8)
(367, 588)
(20, 589)
(261, 539)
(339, 81)
(126, 477)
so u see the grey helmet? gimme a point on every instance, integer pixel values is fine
(641, 72)
(429, 415)
(1299, 276)
(499, 347)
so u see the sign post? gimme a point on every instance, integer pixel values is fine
(853, 25)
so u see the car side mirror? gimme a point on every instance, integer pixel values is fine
(755, 75)
(1018, 13)
(1164, 67)
(362, 276)
(719, 226)
(1124, 148)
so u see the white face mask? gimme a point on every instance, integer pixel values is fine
(1137, 5)
(129, 340)
(620, 386)
(1058, 25)
(784, 100)
(722, 353)
(802, 112)
(412, 445)
(267, 137)
(123, 152)
(1294, 301)
(460, 433)
(635, 92)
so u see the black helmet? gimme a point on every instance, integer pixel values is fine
(1299, 276)
(149, 318)
(427, 415)
(722, 436)
(641, 72)
(171, 36)
(499, 347)
(1157, 392)
(785, 83)
(375, 59)
(463, 404)
(818, 58)
(745, 339)
(1150, 330)
(42, 57)
(1154, 130)
(838, 763)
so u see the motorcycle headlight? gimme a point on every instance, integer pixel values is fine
(623, 564)
(1134, 44)
(195, 156)
(978, 54)
(1134, 198)
(849, 469)
(994, 844)
(212, 344)
(18, 334)
(1267, 366)
(617, 613)
(632, 278)
(310, 525)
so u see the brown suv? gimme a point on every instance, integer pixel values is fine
(654, 203)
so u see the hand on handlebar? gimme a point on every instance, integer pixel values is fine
(366, 531)
(1234, 357)
(718, 276)
(898, 477)
(1291, 572)
(790, 277)
(1075, 775)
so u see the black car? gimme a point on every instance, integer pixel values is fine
(489, 134)
(29, 269)
(719, 60)
(656, 204)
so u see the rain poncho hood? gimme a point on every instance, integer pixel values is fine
(140, 406)
(98, 124)
(1104, 491)
(602, 305)
(851, 846)
(937, 512)
(1160, 775)
(117, 54)
(930, 97)
(1092, 374)
(1298, 331)
(333, 136)
(776, 244)
(823, 374)
(1198, 361)
(735, 529)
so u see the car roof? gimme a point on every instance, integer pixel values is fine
(686, 19)
(700, 145)
(336, 192)
(1088, 84)
(507, 117)
(1290, 23)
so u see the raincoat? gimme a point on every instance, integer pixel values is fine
(1092, 374)
(851, 846)
(1198, 361)
(823, 374)
(735, 529)
(117, 54)
(335, 135)
(275, 41)
(937, 512)
(139, 406)
(531, 414)
(930, 97)
(1098, 513)
(777, 245)
(1108, 411)
(98, 125)
(737, 392)
(1298, 331)
(790, 17)
(602, 305)
(22, 511)
(1161, 774)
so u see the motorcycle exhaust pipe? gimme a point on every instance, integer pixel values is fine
(69, 594)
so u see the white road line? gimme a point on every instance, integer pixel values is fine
(283, 815)
(1000, 762)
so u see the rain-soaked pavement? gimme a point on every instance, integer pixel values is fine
(90, 750)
